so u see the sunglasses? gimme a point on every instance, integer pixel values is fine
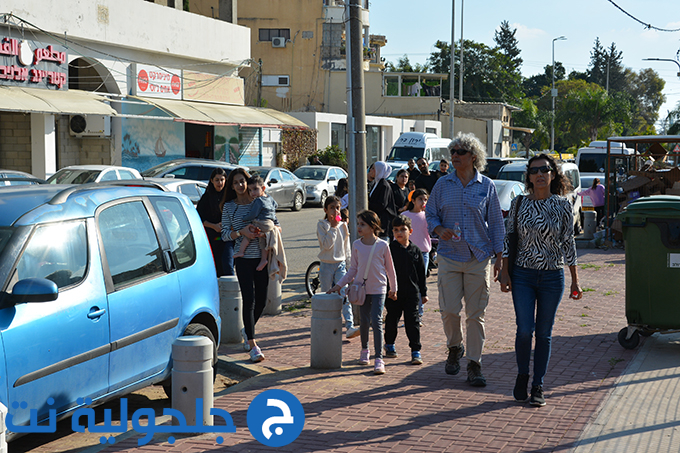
(460, 152)
(543, 169)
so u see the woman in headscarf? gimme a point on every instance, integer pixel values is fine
(381, 198)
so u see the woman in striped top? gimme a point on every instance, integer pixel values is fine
(253, 283)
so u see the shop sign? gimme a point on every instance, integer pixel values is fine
(152, 81)
(32, 64)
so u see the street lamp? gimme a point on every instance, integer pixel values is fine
(663, 59)
(554, 94)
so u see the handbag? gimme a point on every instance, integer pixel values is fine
(357, 291)
(513, 239)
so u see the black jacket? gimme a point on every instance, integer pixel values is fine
(381, 201)
(410, 269)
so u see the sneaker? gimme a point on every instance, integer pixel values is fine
(453, 361)
(256, 355)
(475, 376)
(390, 351)
(352, 332)
(379, 367)
(363, 358)
(520, 390)
(246, 345)
(537, 398)
(416, 359)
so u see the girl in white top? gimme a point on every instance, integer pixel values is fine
(335, 251)
(420, 236)
(380, 271)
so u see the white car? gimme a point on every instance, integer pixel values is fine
(82, 174)
(320, 181)
(192, 189)
(507, 191)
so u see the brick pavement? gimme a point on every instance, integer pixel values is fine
(420, 408)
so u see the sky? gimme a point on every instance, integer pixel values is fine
(413, 27)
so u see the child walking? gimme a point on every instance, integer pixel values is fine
(262, 214)
(380, 271)
(335, 251)
(420, 235)
(411, 281)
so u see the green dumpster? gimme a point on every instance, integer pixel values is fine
(651, 231)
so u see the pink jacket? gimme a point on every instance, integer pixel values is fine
(380, 271)
(420, 236)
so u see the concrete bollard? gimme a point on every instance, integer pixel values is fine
(326, 347)
(231, 309)
(273, 306)
(589, 224)
(192, 378)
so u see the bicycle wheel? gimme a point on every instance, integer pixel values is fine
(312, 281)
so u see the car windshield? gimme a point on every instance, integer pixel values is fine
(315, 174)
(158, 169)
(404, 153)
(511, 175)
(262, 173)
(67, 176)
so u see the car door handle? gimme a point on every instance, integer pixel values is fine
(94, 314)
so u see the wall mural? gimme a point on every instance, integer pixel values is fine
(227, 148)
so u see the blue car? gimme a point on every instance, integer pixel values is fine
(97, 282)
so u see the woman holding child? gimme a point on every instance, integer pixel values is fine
(237, 204)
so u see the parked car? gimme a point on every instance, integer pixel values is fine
(507, 191)
(18, 178)
(320, 181)
(93, 315)
(494, 164)
(196, 169)
(83, 174)
(287, 189)
(192, 189)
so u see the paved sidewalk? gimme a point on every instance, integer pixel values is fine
(420, 408)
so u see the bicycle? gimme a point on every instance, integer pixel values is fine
(312, 280)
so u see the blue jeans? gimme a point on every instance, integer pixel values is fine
(228, 258)
(371, 315)
(329, 275)
(536, 294)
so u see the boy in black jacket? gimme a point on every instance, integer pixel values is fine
(410, 268)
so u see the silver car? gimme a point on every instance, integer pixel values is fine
(507, 190)
(321, 181)
(283, 186)
(83, 174)
(192, 189)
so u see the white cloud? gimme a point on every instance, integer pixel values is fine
(525, 33)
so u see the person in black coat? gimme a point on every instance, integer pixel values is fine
(381, 198)
(209, 209)
(400, 190)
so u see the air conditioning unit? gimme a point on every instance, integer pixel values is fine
(278, 42)
(90, 125)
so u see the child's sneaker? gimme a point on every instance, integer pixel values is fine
(352, 332)
(390, 351)
(416, 359)
(363, 358)
(379, 367)
(256, 354)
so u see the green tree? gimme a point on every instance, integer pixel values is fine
(404, 65)
(505, 39)
(439, 62)
(534, 86)
(532, 117)
(606, 65)
(646, 88)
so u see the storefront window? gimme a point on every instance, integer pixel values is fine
(373, 143)
(338, 134)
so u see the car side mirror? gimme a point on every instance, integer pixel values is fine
(34, 290)
(273, 181)
(332, 178)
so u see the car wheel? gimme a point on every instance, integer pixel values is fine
(297, 202)
(201, 331)
(322, 199)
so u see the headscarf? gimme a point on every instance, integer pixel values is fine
(382, 171)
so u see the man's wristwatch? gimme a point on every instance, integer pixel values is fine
(238, 233)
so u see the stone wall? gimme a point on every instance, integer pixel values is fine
(15, 141)
(81, 150)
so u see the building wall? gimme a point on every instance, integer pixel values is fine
(15, 141)
(299, 60)
(82, 150)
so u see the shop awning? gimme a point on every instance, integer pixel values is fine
(35, 100)
(223, 114)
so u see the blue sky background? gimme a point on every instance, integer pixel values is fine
(412, 28)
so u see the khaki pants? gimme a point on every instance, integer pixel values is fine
(470, 280)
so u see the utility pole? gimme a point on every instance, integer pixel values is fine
(259, 84)
(553, 92)
(452, 80)
(460, 64)
(358, 197)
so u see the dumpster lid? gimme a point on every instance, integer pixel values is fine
(655, 205)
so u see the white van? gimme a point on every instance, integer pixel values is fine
(414, 145)
(516, 171)
(593, 158)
